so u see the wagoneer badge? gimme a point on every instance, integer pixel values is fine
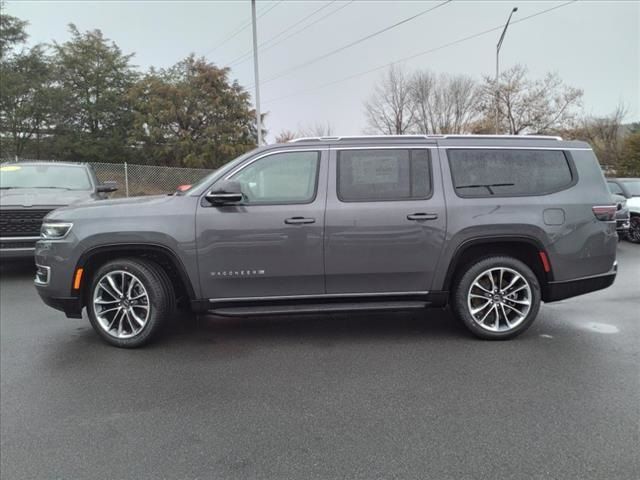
(238, 273)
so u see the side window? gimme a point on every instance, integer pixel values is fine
(381, 174)
(289, 177)
(486, 172)
(615, 188)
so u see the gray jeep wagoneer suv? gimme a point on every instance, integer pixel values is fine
(491, 225)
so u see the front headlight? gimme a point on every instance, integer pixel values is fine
(55, 230)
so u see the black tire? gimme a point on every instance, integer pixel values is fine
(633, 234)
(463, 288)
(160, 298)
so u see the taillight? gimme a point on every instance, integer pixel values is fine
(605, 213)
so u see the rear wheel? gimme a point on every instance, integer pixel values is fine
(497, 298)
(129, 301)
(633, 235)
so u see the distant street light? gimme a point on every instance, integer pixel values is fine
(255, 71)
(515, 9)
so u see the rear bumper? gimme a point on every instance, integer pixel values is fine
(622, 225)
(555, 291)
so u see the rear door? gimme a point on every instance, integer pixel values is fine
(270, 245)
(385, 219)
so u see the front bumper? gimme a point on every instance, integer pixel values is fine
(71, 306)
(555, 291)
(17, 247)
(55, 265)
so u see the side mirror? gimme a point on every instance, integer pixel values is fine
(107, 187)
(225, 193)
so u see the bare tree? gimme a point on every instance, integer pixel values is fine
(317, 130)
(605, 134)
(444, 103)
(389, 110)
(285, 135)
(531, 106)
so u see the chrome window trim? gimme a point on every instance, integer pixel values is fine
(465, 147)
(319, 295)
(269, 153)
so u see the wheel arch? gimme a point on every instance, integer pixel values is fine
(97, 256)
(524, 248)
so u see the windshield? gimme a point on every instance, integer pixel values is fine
(633, 186)
(44, 176)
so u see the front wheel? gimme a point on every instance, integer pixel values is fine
(633, 234)
(497, 298)
(129, 301)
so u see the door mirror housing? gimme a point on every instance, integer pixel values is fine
(226, 193)
(109, 186)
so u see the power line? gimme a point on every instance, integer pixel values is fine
(247, 54)
(424, 52)
(240, 29)
(355, 42)
(310, 24)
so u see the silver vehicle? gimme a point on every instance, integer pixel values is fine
(30, 190)
(629, 188)
(492, 226)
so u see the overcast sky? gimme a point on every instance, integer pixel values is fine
(593, 45)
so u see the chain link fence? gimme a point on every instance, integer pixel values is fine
(134, 179)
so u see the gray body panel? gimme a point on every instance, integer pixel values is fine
(249, 251)
(372, 247)
(238, 252)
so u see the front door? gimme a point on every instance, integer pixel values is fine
(270, 244)
(385, 220)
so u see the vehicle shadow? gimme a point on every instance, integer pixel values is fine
(321, 329)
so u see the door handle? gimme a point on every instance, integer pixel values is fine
(299, 220)
(422, 216)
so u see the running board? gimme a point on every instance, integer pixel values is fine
(310, 308)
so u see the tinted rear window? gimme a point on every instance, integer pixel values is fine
(383, 175)
(486, 172)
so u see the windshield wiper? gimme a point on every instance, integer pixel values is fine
(487, 186)
(6, 188)
(53, 187)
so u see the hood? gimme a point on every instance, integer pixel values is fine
(36, 197)
(119, 207)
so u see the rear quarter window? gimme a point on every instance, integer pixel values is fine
(505, 173)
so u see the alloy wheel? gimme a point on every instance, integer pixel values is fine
(633, 234)
(121, 304)
(499, 299)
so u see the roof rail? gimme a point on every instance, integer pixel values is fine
(509, 137)
(398, 137)
(355, 137)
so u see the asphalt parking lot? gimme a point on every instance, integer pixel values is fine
(340, 396)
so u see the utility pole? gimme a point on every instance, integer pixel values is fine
(514, 10)
(255, 71)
